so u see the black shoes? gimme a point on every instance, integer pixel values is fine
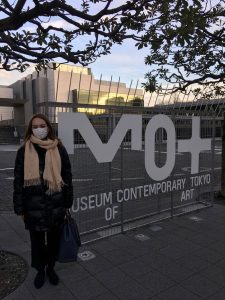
(39, 279)
(53, 277)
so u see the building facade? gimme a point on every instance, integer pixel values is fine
(62, 88)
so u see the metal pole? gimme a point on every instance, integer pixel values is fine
(198, 104)
(159, 151)
(188, 96)
(170, 98)
(150, 99)
(109, 89)
(121, 183)
(207, 102)
(219, 111)
(78, 94)
(199, 187)
(203, 100)
(195, 97)
(70, 85)
(218, 104)
(89, 92)
(110, 130)
(211, 107)
(172, 174)
(156, 99)
(213, 159)
(129, 90)
(223, 159)
(117, 90)
(143, 95)
(164, 95)
(99, 87)
(57, 87)
(176, 101)
(182, 101)
(136, 89)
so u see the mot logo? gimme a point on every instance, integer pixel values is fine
(105, 152)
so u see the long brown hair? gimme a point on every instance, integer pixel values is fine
(51, 135)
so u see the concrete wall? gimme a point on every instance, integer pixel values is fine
(6, 92)
(40, 89)
(19, 117)
(6, 113)
(17, 88)
(28, 106)
(65, 82)
(51, 85)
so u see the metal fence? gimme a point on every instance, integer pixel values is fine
(114, 197)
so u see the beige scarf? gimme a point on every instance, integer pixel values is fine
(52, 172)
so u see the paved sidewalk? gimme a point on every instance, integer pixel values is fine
(9, 147)
(180, 259)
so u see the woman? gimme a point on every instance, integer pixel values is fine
(43, 191)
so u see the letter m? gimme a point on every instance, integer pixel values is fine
(103, 152)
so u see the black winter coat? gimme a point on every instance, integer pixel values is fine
(41, 211)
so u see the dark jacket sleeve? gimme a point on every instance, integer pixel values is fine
(67, 178)
(18, 182)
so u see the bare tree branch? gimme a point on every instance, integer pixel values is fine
(22, 44)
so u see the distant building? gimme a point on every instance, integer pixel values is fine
(55, 89)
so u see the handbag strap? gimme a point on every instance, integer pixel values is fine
(68, 214)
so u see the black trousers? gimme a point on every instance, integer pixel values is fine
(42, 253)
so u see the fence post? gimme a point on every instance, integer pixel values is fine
(223, 159)
(213, 158)
(109, 132)
(159, 138)
(121, 183)
(199, 188)
(173, 119)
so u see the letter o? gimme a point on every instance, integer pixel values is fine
(126, 194)
(108, 213)
(156, 122)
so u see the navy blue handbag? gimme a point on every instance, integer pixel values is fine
(69, 240)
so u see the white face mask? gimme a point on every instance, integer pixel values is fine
(40, 133)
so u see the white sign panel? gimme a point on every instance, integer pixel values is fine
(105, 152)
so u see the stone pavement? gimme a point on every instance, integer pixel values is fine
(7, 160)
(178, 259)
